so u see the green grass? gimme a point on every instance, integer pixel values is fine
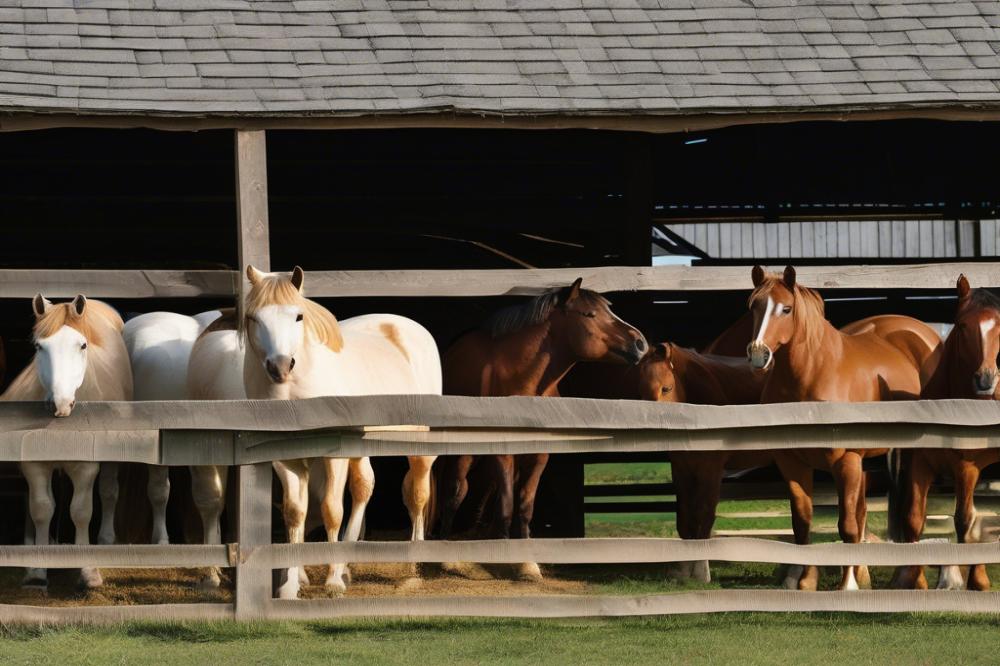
(729, 638)
(654, 472)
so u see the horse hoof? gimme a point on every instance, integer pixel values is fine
(864, 577)
(453, 568)
(701, 572)
(336, 586)
(35, 580)
(529, 572)
(304, 577)
(951, 578)
(210, 582)
(347, 575)
(90, 579)
(793, 573)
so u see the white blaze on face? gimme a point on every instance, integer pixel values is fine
(278, 331)
(772, 309)
(984, 328)
(61, 360)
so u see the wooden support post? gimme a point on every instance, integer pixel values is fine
(253, 582)
(251, 203)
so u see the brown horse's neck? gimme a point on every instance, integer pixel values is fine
(531, 361)
(715, 380)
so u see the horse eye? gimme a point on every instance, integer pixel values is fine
(83, 346)
(666, 389)
(786, 309)
(592, 315)
(299, 317)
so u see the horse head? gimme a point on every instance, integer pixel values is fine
(976, 340)
(772, 304)
(657, 380)
(592, 331)
(62, 335)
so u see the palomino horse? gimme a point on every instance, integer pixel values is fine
(809, 359)
(526, 350)
(296, 349)
(79, 354)
(967, 368)
(669, 373)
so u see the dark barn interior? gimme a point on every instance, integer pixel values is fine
(453, 199)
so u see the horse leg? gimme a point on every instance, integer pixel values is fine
(920, 475)
(337, 470)
(709, 488)
(158, 491)
(361, 478)
(81, 509)
(799, 478)
(208, 488)
(294, 477)
(417, 496)
(108, 489)
(455, 477)
(529, 474)
(966, 478)
(848, 475)
(864, 578)
(41, 507)
(683, 470)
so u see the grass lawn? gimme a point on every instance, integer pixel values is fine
(731, 638)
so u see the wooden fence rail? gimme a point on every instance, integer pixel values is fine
(25, 283)
(251, 434)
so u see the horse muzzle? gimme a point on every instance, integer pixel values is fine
(759, 355)
(279, 368)
(63, 407)
(984, 382)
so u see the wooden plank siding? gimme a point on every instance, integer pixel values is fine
(844, 239)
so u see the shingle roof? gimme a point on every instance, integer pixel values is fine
(351, 57)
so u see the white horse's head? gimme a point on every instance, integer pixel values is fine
(278, 318)
(62, 336)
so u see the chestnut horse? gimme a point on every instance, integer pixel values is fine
(669, 373)
(811, 360)
(526, 350)
(967, 369)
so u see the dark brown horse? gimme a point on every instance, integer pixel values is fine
(967, 368)
(809, 359)
(526, 350)
(669, 373)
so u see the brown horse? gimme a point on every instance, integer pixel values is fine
(809, 359)
(526, 350)
(967, 368)
(669, 373)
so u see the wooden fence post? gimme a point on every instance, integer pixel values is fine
(251, 203)
(253, 582)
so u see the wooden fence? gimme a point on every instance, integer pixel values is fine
(251, 434)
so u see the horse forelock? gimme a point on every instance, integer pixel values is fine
(320, 324)
(92, 324)
(980, 299)
(535, 311)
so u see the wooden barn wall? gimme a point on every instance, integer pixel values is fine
(851, 239)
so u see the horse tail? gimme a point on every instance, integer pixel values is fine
(431, 508)
(899, 461)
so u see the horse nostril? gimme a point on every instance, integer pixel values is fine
(291, 364)
(641, 346)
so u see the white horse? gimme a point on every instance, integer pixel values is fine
(80, 353)
(158, 345)
(297, 349)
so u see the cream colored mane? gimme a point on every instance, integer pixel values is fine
(273, 289)
(101, 325)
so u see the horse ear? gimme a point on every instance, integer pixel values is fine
(757, 275)
(665, 350)
(298, 277)
(571, 292)
(40, 305)
(789, 277)
(253, 274)
(79, 305)
(964, 290)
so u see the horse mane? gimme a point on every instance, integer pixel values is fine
(319, 322)
(515, 317)
(804, 318)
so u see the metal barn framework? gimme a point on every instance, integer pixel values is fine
(421, 152)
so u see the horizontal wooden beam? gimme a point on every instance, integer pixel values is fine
(67, 556)
(18, 614)
(646, 122)
(632, 551)
(25, 283)
(711, 601)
